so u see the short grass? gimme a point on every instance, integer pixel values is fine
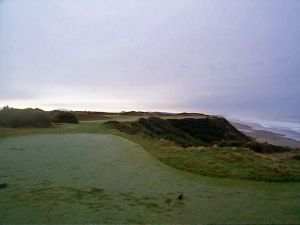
(86, 178)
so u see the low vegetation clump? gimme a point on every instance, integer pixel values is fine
(63, 117)
(90, 116)
(296, 156)
(14, 118)
(208, 131)
(10, 117)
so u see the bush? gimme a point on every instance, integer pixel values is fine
(296, 157)
(10, 117)
(63, 117)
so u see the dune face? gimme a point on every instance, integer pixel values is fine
(207, 131)
(186, 132)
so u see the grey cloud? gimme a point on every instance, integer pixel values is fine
(217, 56)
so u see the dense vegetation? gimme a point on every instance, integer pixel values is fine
(211, 146)
(10, 117)
(208, 131)
(63, 117)
(90, 116)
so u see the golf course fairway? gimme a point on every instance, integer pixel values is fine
(103, 178)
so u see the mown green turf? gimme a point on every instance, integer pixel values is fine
(102, 178)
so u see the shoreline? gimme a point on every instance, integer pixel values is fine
(266, 136)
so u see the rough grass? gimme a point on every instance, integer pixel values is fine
(230, 162)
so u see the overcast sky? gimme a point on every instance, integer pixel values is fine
(213, 56)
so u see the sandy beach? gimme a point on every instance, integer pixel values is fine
(267, 136)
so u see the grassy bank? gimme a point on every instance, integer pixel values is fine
(164, 142)
(231, 162)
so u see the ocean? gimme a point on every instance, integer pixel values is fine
(287, 128)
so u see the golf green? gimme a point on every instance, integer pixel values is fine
(102, 178)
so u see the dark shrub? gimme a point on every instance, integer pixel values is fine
(266, 147)
(63, 117)
(211, 130)
(10, 117)
(297, 157)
